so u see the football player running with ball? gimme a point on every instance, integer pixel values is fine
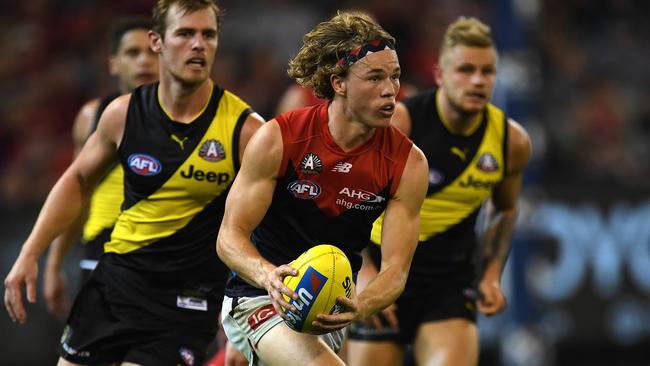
(322, 174)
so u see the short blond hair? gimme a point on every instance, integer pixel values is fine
(327, 43)
(466, 31)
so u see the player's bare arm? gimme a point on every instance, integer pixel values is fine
(399, 239)
(252, 123)
(248, 200)
(497, 238)
(83, 124)
(64, 205)
(55, 290)
(367, 272)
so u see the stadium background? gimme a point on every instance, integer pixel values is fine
(573, 72)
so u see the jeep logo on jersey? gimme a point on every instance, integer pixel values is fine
(212, 150)
(143, 164)
(308, 288)
(311, 164)
(477, 183)
(361, 195)
(200, 175)
(487, 163)
(304, 189)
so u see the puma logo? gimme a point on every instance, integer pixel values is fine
(462, 154)
(181, 142)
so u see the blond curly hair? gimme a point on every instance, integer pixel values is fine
(327, 43)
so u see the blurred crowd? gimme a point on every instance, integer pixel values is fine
(592, 104)
(594, 101)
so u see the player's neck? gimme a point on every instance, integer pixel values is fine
(347, 133)
(456, 122)
(184, 102)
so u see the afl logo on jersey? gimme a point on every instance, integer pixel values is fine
(487, 163)
(311, 164)
(304, 189)
(143, 164)
(212, 150)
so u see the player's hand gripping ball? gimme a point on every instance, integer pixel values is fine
(324, 273)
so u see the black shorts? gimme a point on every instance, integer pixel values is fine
(452, 301)
(133, 323)
(446, 295)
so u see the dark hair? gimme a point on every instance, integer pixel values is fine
(122, 26)
(327, 43)
(162, 7)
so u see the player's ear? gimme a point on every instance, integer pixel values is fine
(338, 84)
(436, 70)
(112, 66)
(155, 41)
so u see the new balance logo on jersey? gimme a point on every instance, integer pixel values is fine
(342, 167)
(181, 142)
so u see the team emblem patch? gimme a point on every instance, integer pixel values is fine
(187, 355)
(143, 164)
(311, 164)
(212, 150)
(487, 163)
(435, 177)
(304, 189)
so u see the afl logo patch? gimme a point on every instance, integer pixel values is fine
(311, 164)
(304, 189)
(212, 150)
(487, 163)
(144, 165)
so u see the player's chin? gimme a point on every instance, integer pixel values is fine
(474, 106)
(195, 77)
(381, 121)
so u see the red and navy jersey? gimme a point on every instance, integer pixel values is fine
(323, 194)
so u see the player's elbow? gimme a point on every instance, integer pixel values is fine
(223, 248)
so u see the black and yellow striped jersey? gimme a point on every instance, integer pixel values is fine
(463, 170)
(176, 178)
